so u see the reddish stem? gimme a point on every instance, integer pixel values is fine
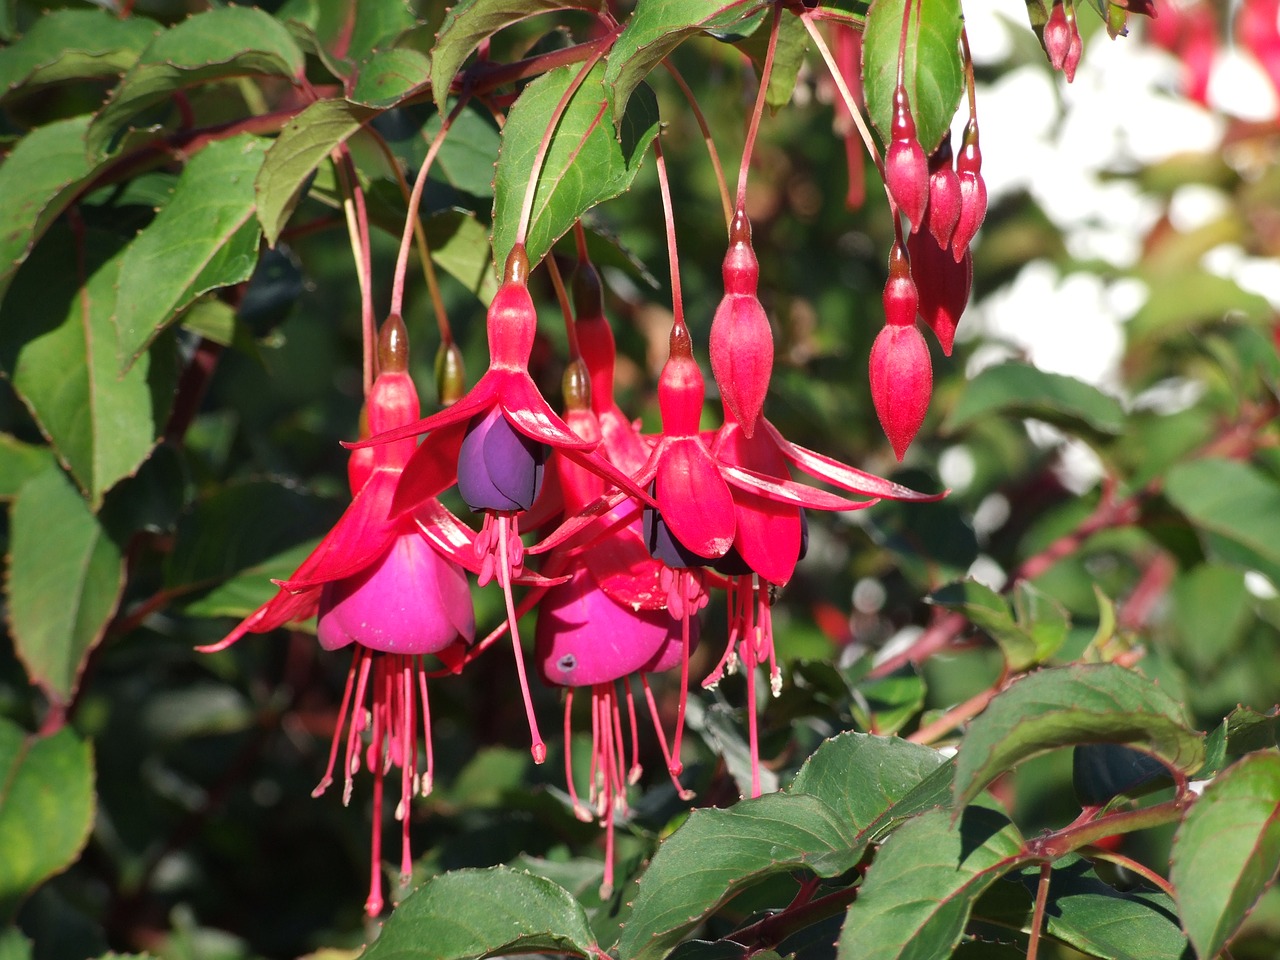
(706, 138)
(766, 71)
(673, 257)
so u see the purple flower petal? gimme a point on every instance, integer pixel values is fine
(498, 467)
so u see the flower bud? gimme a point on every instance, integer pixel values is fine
(973, 192)
(944, 194)
(451, 377)
(1075, 46)
(1057, 36)
(942, 284)
(741, 339)
(901, 382)
(900, 298)
(906, 171)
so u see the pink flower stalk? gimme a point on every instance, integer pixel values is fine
(493, 443)
(378, 585)
(741, 339)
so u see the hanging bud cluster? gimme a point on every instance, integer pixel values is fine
(1061, 39)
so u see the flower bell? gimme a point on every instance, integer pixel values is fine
(379, 585)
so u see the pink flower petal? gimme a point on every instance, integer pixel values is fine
(694, 499)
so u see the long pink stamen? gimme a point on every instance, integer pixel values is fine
(428, 779)
(619, 747)
(579, 810)
(327, 779)
(753, 733)
(676, 765)
(506, 530)
(633, 775)
(373, 906)
(408, 768)
(357, 723)
(662, 738)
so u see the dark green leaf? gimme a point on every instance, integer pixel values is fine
(205, 237)
(304, 144)
(716, 853)
(65, 578)
(1028, 633)
(389, 76)
(1227, 851)
(1088, 914)
(655, 28)
(933, 73)
(468, 154)
(1017, 389)
(73, 45)
(478, 913)
(60, 352)
(1064, 706)
(887, 704)
(216, 45)
(470, 21)
(1248, 730)
(788, 58)
(1102, 771)
(924, 881)
(722, 730)
(46, 807)
(19, 462)
(39, 180)
(872, 781)
(1235, 506)
(588, 160)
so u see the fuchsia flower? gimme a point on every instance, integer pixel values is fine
(493, 443)
(379, 585)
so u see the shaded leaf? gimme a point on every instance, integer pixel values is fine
(933, 73)
(14, 946)
(1211, 611)
(19, 462)
(205, 237)
(586, 163)
(1186, 299)
(1227, 851)
(1101, 772)
(887, 704)
(1018, 389)
(1064, 706)
(788, 57)
(721, 728)
(478, 913)
(467, 157)
(389, 76)
(1088, 914)
(1236, 508)
(470, 21)
(1248, 730)
(655, 28)
(716, 853)
(206, 47)
(46, 807)
(60, 352)
(1028, 632)
(918, 893)
(460, 245)
(73, 45)
(64, 581)
(39, 179)
(305, 142)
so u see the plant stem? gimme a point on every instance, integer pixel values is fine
(854, 110)
(673, 258)
(1054, 846)
(353, 209)
(753, 128)
(706, 137)
(1037, 915)
(562, 295)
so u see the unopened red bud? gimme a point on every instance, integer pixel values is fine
(944, 194)
(901, 383)
(741, 339)
(1075, 47)
(943, 286)
(973, 192)
(588, 294)
(906, 170)
(1057, 36)
(451, 377)
(900, 298)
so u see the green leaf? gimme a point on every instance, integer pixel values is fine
(390, 76)
(305, 142)
(1227, 851)
(1020, 390)
(14, 946)
(587, 162)
(1248, 730)
(872, 781)
(1028, 632)
(19, 462)
(933, 73)
(716, 853)
(468, 154)
(887, 704)
(478, 913)
(205, 237)
(46, 807)
(918, 893)
(1064, 706)
(471, 21)
(1212, 610)
(1189, 299)
(460, 245)
(39, 180)
(60, 352)
(656, 27)
(1236, 508)
(216, 45)
(65, 578)
(1088, 914)
(788, 57)
(73, 45)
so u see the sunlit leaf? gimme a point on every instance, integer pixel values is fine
(67, 45)
(1018, 389)
(1235, 507)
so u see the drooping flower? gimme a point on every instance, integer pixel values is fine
(380, 585)
(741, 339)
(494, 443)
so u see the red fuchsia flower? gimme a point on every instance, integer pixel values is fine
(906, 171)
(1259, 30)
(901, 372)
(942, 286)
(944, 194)
(494, 444)
(741, 340)
(379, 586)
(973, 192)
